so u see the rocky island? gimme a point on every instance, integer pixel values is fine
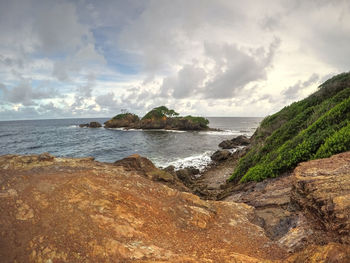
(158, 118)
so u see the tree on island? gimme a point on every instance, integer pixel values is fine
(160, 112)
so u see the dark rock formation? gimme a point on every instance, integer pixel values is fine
(93, 124)
(220, 155)
(186, 174)
(241, 140)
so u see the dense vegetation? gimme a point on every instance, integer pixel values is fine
(160, 112)
(124, 116)
(203, 122)
(315, 127)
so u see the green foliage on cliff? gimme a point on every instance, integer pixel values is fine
(203, 122)
(122, 116)
(160, 112)
(315, 127)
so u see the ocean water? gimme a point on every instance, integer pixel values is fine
(64, 138)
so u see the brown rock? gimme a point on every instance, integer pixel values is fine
(79, 210)
(331, 253)
(322, 189)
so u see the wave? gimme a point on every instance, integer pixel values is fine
(145, 130)
(199, 161)
(223, 132)
(7, 135)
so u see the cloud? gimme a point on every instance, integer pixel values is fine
(107, 101)
(25, 94)
(184, 84)
(71, 58)
(294, 91)
(235, 68)
(57, 28)
(86, 58)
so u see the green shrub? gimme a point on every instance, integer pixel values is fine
(337, 143)
(124, 116)
(160, 112)
(203, 122)
(311, 128)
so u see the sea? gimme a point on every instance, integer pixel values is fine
(64, 138)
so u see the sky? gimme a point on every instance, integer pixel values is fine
(72, 59)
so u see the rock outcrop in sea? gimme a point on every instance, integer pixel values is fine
(158, 118)
(80, 210)
(93, 124)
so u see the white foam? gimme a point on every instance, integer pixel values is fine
(163, 130)
(199, 161)
(224, 132)
(145, 130)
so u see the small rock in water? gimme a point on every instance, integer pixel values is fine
(241, 140)
(220, 155)
(95, 124)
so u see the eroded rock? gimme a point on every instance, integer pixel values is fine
(322, 189)
(79, 210)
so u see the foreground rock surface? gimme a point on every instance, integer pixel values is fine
(79, 210)
(307, 207)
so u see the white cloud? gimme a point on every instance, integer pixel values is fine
(64, 58)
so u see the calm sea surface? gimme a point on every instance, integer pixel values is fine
(63, 138)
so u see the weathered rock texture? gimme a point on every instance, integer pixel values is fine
(79, 210)
(307, 207)
(322, 189)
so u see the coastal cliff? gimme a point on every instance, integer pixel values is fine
(80, 210)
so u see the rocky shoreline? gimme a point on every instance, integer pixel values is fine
(133, 211)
